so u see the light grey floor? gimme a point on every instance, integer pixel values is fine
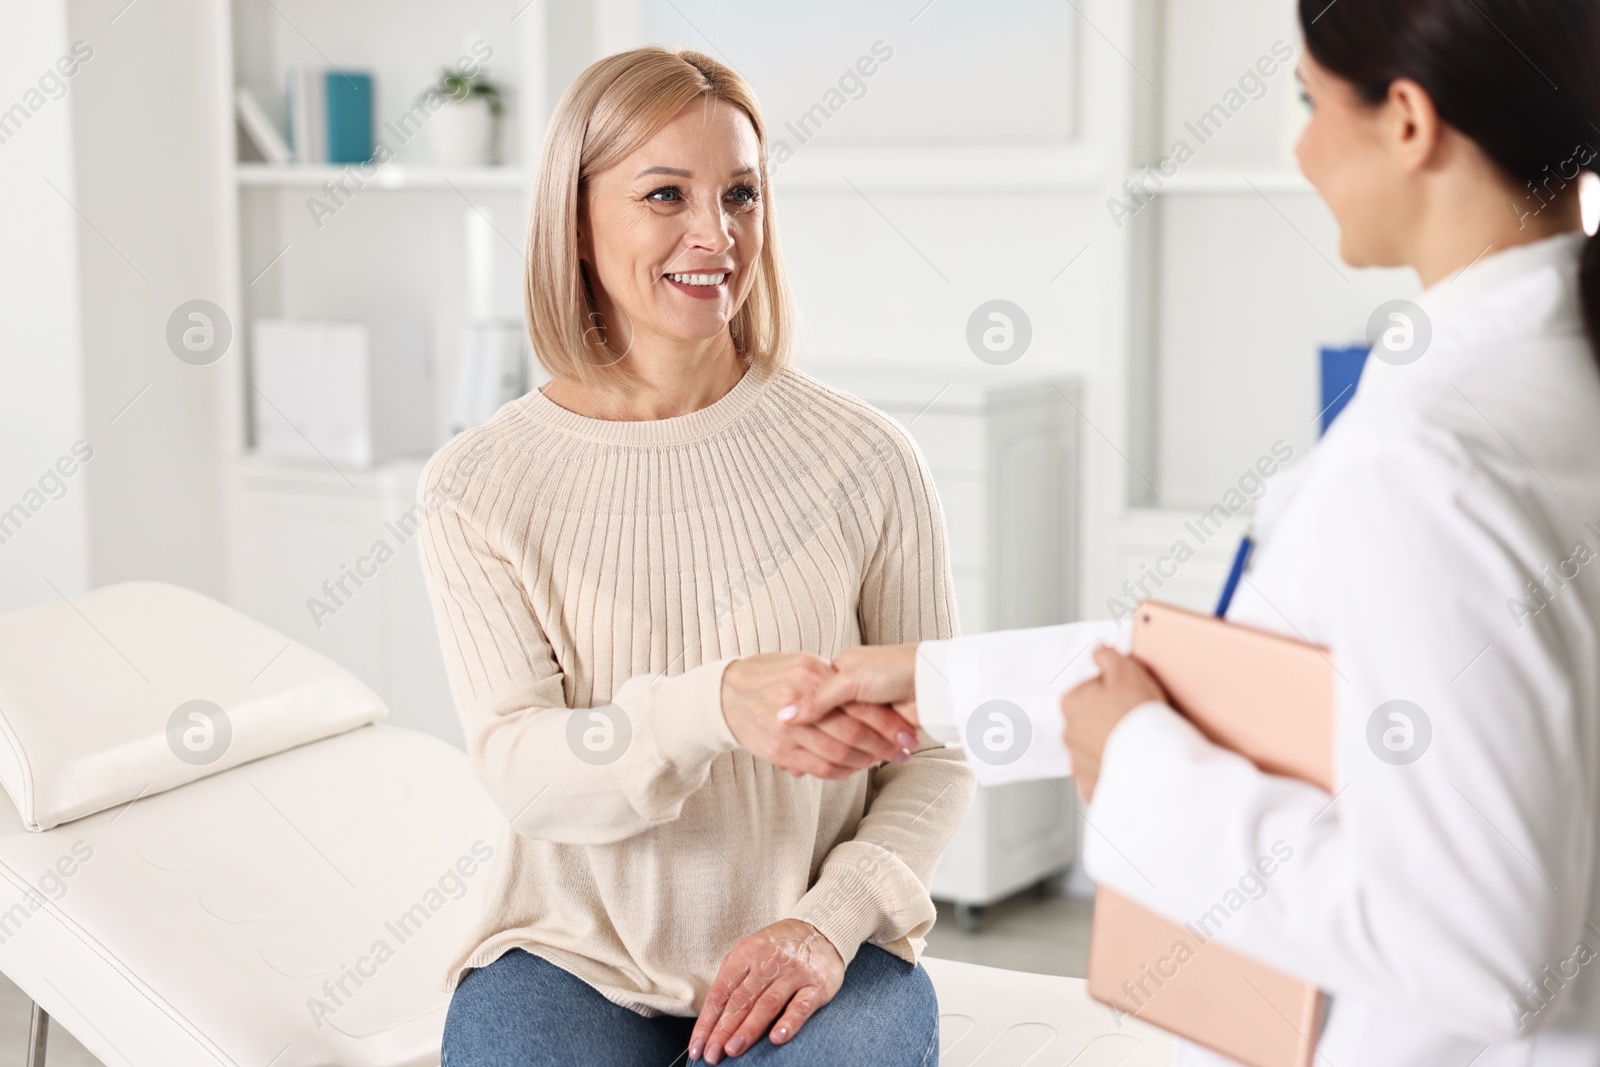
(1046, 935)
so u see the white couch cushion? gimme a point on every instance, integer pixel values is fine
(996, 1018)
(299, 911)
(139, 687)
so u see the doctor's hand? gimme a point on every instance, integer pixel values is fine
(835, 744)
(787, 968)
(1093, 710)
(867, 677)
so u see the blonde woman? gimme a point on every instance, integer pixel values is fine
(651, 561)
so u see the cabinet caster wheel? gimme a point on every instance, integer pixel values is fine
(970, 917)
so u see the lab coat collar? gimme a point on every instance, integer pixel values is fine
(1501, 300)
(1466, 287)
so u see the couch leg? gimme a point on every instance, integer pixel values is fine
(38, 1034)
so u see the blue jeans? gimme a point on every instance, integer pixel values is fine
(523, 1011)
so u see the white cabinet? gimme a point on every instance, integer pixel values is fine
(330, 560)
(1004, 452)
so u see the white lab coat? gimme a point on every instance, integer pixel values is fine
(1430, 898)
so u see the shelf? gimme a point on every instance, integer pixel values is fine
(268, 176)
(1193, 182)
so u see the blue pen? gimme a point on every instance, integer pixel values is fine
(1241, 559)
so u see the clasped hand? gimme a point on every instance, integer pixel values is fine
(829, 720)
(847, 714)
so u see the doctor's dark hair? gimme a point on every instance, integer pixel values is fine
(1521, 78)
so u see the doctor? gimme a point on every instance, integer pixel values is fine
(1443, 542)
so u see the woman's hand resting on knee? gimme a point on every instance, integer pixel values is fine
(786, 969)
(759, 695)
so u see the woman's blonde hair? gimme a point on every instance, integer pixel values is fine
(612, 108)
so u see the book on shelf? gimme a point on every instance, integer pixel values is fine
(347, 110)
(330, 115)
(305, 116)
(260, 130)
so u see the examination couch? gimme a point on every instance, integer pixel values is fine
(216, 853)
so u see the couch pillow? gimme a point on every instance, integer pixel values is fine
(141, 687)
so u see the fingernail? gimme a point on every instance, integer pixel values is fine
(714, 1052)
(736, 1046)
(781, 1032)
(788, 713)
(902, 756)
(696, 1047)
(907, 741)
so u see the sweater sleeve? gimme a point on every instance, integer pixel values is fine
(573, 776)
(874, 887)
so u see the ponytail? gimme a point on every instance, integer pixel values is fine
(1589, 292)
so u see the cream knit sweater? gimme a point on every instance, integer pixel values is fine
(578, 563)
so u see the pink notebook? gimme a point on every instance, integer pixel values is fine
(1269, 699)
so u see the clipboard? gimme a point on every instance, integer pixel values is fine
(1271, 700)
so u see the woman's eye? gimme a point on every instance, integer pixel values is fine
(1305, 98)
(667, 194)
(743, 195)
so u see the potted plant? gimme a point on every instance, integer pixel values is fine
(465, 132)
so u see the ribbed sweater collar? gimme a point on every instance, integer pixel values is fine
(538, 409)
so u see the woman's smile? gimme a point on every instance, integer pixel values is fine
(700, 285)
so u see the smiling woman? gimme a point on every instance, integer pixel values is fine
(685, 870)
(710, 121)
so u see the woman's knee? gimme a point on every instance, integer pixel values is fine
(523, 1010)
(886, 1014)
(890, 985)
(481, 1018)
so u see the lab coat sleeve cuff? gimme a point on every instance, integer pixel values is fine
(936, 710)
(1134, 756)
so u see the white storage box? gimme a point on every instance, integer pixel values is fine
(347, 392)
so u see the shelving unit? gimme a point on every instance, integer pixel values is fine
(1198, 182)
(408, 239)
(392, 176)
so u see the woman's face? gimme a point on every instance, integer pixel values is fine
(671, 235)
(1347, 153)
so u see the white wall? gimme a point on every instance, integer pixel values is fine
(149, 133)
(1247, 284)
(41, 382)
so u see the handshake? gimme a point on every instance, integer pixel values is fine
(829, 720)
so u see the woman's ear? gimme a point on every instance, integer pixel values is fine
(585, 245)
(1414, 129)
